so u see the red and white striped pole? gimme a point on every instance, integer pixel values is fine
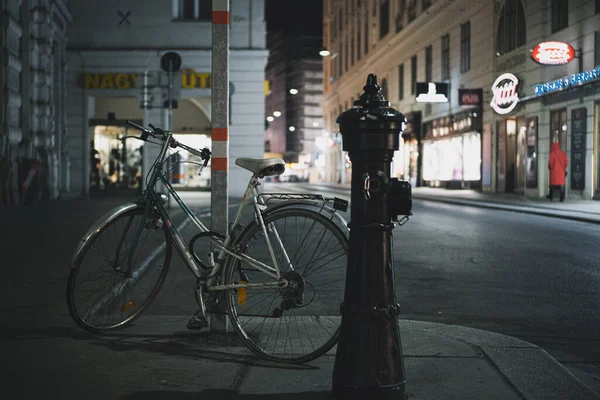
(220, 131)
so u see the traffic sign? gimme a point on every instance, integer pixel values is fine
(172, 58)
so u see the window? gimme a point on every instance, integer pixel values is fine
(400, 16)
(340, 20)
(428, 57)
(352, 50)
(384, 18)
(192, 10)
(333, 27)
(511, 27)
(465, 46)
(384, 92)
(597, 6)
(558, 128)
(426, 4)
(346, 56)
(597, 48)
(340, 62)
(413, 74)
(446, 57)
(401, 82)
(560, 14)
(366, 33)
(412, 10)
(358, 43)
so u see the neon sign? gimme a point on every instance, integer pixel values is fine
(553, 53)
(567, 81)
(505, 97)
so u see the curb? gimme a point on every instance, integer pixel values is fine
(514, 208)
(537, 375)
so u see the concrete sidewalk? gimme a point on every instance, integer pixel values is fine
(162, 360)
(577, 210)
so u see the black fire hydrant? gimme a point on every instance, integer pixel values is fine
(369, 362)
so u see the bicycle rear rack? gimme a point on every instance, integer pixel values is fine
(338, 204)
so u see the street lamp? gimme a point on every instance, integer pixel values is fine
(277, 113)
(270, 119)
(294, 91)
(324, 52)
(292, 128)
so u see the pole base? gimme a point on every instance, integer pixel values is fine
(392, 392)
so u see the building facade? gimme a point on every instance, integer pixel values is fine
(114, 74)
(471, 139)
(34, 152)
(294, 118)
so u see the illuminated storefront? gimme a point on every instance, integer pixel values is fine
(406, 162)
(452, 151)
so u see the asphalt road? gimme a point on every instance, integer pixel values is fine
(532, 277)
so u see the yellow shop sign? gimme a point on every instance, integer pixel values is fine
(110, 81)
(190, 79)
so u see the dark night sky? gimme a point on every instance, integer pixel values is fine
(295, 16)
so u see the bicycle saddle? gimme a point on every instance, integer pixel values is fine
(262, 166)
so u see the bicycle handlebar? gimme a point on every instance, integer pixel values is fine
(158, 133)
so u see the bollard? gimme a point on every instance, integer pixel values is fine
(369, 362)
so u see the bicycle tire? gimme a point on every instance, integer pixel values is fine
(244, 318)
(123, 288)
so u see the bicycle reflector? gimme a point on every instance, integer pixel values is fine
(128, 306)
(241, 293)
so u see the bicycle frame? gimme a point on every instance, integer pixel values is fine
(251, 192)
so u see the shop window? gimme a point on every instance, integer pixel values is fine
(428, 62)
(192, 10)
(560, 14)
(446, 57)
(384, 18)
(465, 46)
(413, 74)
(597, 48)
(511, 27)
(401, 82)
(558, 128)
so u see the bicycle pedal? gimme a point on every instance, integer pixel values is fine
(196, 323)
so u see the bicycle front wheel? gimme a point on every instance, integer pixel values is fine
(299, 322)
(118, 272)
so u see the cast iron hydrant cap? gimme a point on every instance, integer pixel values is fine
(374, 107)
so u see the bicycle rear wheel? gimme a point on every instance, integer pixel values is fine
(105, 291)
(300, 322)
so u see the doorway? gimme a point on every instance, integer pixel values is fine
(116, 158)
(511, 156)
(596, 171)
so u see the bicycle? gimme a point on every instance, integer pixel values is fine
(264, 275)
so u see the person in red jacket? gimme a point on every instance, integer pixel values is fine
(557, 164)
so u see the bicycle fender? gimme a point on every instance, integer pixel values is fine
(312, 205)
(101, 223)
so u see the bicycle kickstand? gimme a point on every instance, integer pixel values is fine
(198, 320)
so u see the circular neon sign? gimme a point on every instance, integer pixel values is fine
(553, 53)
